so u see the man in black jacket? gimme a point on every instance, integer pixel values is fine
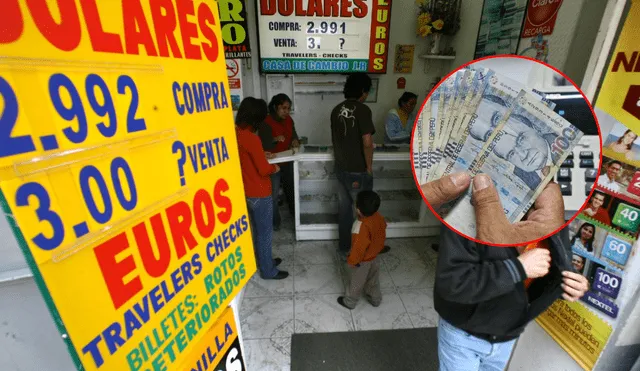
(482, 293)
(482, 299)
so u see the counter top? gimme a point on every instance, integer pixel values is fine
(319, 152)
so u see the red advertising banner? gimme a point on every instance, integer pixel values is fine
(541, 17)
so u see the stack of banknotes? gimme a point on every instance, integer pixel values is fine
(480, 121)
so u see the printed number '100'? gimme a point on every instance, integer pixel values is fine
(87, 174)
(562, 143)
(608, 280)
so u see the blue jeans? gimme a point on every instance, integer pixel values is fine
(460, 351)
(275, 196)
(350, 185)
(261, 219)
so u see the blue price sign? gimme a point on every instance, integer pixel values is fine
(616, 250)
(607, 283)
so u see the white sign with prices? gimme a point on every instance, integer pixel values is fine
(323, 36)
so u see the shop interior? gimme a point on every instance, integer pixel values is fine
(270, 312)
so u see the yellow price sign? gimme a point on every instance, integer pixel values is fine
(119, 171)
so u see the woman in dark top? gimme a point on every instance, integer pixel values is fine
(285, 136)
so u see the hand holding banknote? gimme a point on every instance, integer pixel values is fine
(544, 218)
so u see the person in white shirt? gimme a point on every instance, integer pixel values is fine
(608, 180)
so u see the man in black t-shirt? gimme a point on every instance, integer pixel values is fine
(351, 135)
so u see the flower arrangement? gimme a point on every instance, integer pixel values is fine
(438, 16)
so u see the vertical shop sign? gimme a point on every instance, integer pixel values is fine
(541, 17)
(235, 30)
(126, 200)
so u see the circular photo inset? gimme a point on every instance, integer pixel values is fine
(502, 157)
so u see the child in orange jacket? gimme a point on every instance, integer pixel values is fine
(367, 241)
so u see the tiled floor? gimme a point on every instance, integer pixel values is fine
(271, 311)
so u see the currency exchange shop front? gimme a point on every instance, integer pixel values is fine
(304, 50)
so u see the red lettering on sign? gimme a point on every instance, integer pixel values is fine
(267, 7)
(222, 201)
(184, 221)
(361, 9)
(188, 29)
(154, 265)
(136, 29)
(205, 225)
(11, 22)
(100, 40)
(344, 8)
(285, 7)
(331, 7)
(114, 270)
(66, 34)
(164, 22)
(626, 62)
(179, 217)
(206, 18)
(315, 8)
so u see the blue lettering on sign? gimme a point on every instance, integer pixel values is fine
(199, 97)
(203, 155)
(34, 195)
(276, 65)
(327, 66)
(601, 303)
(67, 101)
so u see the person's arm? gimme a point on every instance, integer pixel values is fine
(367, 143)
(266, 136)
(260, 160)
(463, 277)
(394, 129)
(294, 133)
(359, 243)
(365, 122)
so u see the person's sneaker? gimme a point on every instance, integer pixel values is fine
(386, 249)
(341, 302)
(280, 276)
(373, 304)
(277, 261)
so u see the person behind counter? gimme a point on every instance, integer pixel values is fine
(352, 138)
(284, 133)
(398, 124)
(256, 172)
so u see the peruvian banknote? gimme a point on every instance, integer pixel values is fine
(521, 155)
